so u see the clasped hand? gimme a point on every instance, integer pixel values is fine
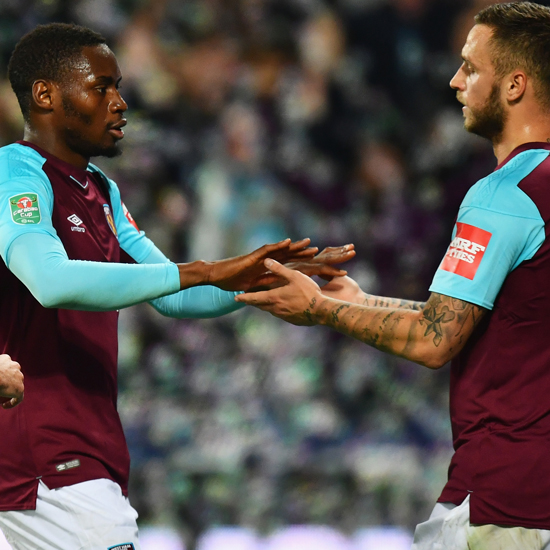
(11, 382)
(249, 272)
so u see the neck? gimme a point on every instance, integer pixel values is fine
(53, 145)
(522, 129)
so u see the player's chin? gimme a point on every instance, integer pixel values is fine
(469, 125)
(112, 151)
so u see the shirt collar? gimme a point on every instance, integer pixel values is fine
(78, 175)
(524, 147)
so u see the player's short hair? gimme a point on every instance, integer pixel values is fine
(48, 52)
(521, 40)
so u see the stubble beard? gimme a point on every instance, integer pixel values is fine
(489, 120)
(78, 141)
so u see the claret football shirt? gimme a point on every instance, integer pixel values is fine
(67, 429)
(499, 258)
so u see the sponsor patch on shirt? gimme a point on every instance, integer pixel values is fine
(68, 465)
(466, 251)
(125, 546)
(25, 209)
(129, 216)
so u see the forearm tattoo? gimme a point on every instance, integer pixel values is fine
(335, 313)
(403, 327)
(307, 313)
(382, 301)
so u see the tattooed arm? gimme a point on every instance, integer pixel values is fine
(397, 303)
(347, 290)
(429, 334)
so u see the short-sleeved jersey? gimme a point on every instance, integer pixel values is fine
(67, 430)
(499, 258)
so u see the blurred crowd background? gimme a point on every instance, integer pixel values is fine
(250, 121)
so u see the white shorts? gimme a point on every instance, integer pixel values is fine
(449, 528)
(93, 515)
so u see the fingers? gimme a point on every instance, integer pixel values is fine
(298, 245)
(336, 254)
(11, 382)
(338, 249)
(286, 250)
(266, 249)
(266, 281)
(296, 251)
(328, 273)
(275, 267)
(14, 401)
(257, 299)
(278, 272)
(306, 254)
(322, 270)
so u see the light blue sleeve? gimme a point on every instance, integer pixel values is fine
(32, 250)
(40, 262)
(507, 230)
(193, 303)
(21, 176)
(198, 302)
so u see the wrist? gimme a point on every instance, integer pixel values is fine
(194, 273)
(319, 308)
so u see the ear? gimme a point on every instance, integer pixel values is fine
(515, 86)
(42, 94)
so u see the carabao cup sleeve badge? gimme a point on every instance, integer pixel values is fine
(110, 219)
(25, 209)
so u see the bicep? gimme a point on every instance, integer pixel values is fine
(40, 262)
(25, 208)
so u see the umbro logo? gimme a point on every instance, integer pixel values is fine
(77, 222)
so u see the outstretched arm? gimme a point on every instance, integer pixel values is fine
(430, 335)
(347, 290)
(209, 301)
(40, 261)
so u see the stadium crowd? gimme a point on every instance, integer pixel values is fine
(250, 121)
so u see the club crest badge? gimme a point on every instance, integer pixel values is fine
(110, 219)
(25, 209)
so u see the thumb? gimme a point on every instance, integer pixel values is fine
(272, 265)
(275, 267)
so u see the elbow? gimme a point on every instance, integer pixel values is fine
(435, 359)
(434, 363)
(49, 299)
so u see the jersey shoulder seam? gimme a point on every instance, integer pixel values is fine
(502, 212)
